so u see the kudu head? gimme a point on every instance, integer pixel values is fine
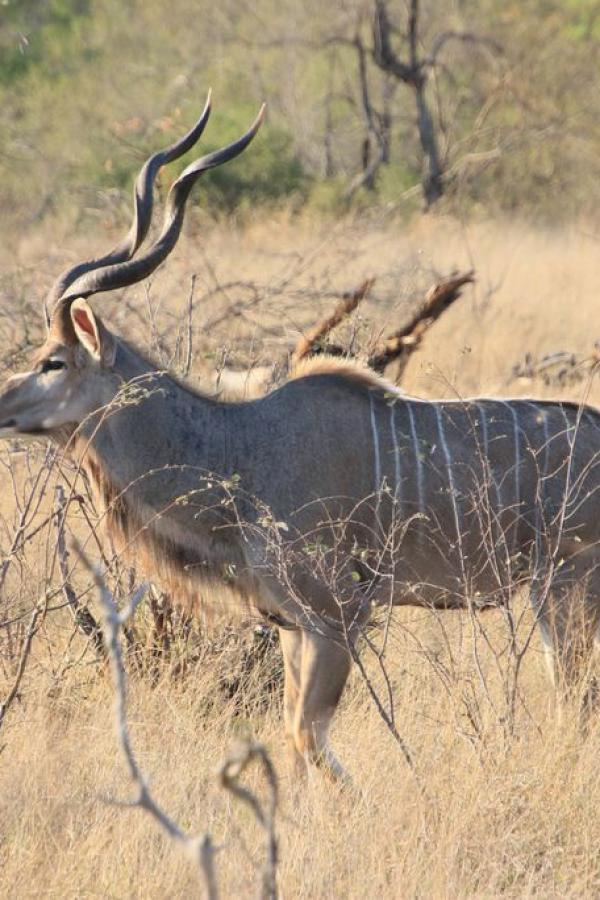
(73, 374)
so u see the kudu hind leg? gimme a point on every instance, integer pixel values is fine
(568, 616)
(326, 664)
(291, 646)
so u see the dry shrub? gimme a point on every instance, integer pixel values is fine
(499, 807)
(499, 817)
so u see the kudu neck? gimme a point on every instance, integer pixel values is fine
(153, 424)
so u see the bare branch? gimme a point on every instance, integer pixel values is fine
(84, 619)
(29, 509)
(466, 37)
(375, 133)
(229, 775)
(388, 718)
(383, 55)
(199, 849)
(25, 651)
(413, 74)
(413, 33)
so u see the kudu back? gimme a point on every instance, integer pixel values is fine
(330, 496)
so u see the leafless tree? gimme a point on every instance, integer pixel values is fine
(414, 71)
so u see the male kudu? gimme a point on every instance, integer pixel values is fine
(331, 495)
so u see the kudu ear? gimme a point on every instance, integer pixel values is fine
(91, 333)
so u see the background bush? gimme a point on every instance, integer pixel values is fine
(87, 89)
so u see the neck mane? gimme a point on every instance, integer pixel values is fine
(135, 490)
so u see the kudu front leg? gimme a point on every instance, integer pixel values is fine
(325, 665)
(291, 646)
(569, 619)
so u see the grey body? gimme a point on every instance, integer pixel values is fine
(329, 496)
(479, 492)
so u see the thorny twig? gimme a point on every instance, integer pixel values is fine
(190, 328)
(25, 651)
(200, 849)
(229, 774)
(31, 506)
(84, 619)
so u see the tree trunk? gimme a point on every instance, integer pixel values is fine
(433, 174)
(413, 73)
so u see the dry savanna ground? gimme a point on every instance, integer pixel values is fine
(503, 799)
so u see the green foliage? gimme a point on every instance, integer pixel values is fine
(329, 197)
(88, 89)
(269, 173)
(34, 35)
(395, 180)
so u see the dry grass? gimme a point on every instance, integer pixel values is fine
(258, 286)
(512, 814)
(512, 818)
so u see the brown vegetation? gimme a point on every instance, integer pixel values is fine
(490, 112)
(498, 811)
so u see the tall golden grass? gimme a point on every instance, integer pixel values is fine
(500, 807)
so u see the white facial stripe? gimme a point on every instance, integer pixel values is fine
(15, 380)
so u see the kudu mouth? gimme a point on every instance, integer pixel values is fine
(10, 428)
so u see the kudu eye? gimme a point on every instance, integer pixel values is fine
(52, 365)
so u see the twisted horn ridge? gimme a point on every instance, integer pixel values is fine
(142, 212)
(134, 270)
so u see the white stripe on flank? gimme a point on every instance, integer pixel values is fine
(542, 417)
(517, 504)
(397, 483)
(592, 417)
(376, 451)
(540, 524)
(513, 413)
(448, 459)
(568, 425)
(486, 453)
(418, 458)
(484, 430)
